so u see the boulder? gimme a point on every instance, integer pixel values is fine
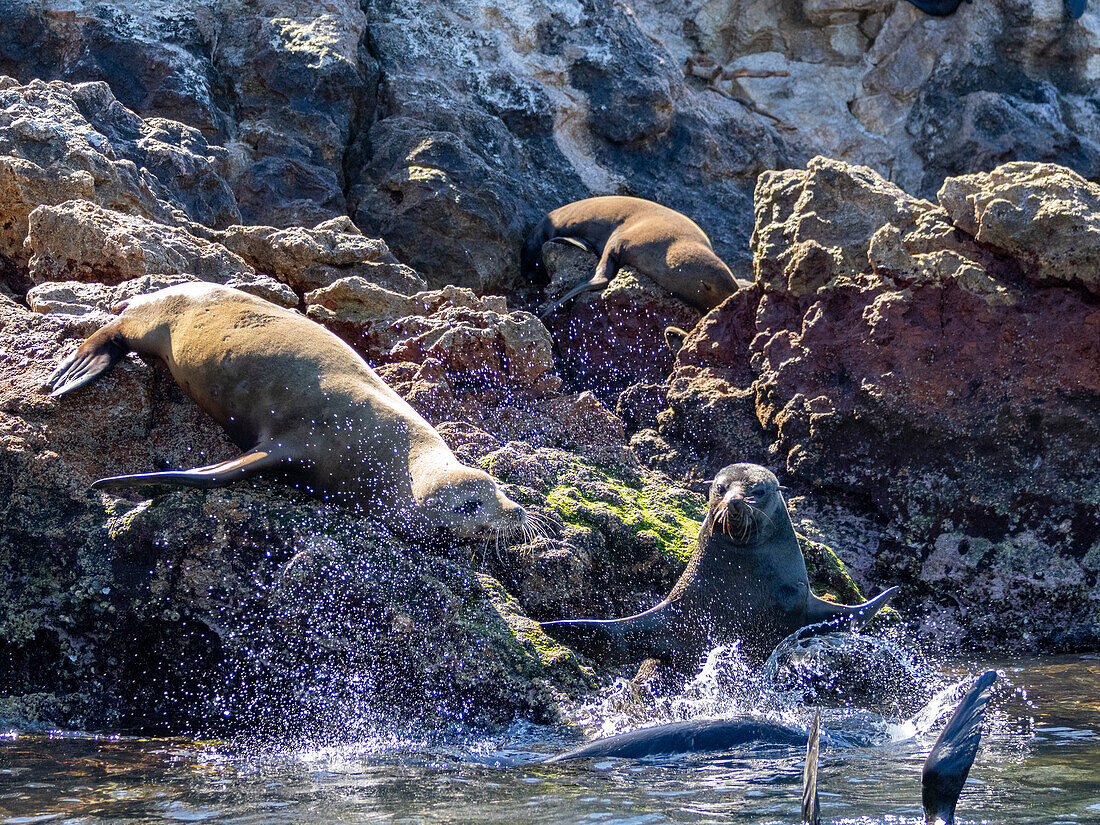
(60, 142)
(280, 86)
(309, 259)
(79, 241)
(1044, 216)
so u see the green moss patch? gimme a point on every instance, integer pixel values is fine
(628, 507)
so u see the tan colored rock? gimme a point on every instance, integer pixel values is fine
(80, 241)
(309, 259)
(814, 227)
(1045, 216)
(476, 341)
(60, 141)
(836, 225)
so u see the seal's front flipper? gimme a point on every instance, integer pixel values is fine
(949, 762)
(809, 773)
(855, 616)
(863, 613)
(95, 356)
(577, 242)
(263, 457)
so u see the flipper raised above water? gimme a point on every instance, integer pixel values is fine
(855, 616)
(810, 804)
(695, 736)
(949, 762)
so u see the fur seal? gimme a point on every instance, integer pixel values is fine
(746, 580)
(694, 736)
(946, 768)
(939, 8)
(299, 402)
(659, 242)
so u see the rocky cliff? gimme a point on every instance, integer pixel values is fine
(916, 354)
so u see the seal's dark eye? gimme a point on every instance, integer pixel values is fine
(468, 508)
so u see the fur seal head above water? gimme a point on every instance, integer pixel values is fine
(746, 581)
(661, 243)
(302, 404)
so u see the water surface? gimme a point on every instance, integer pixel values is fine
(1039, 763)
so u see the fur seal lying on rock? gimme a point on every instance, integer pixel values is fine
(662, 244)
(745, 581)
(301, 403)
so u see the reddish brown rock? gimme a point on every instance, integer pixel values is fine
(612, 338)
(928, 379)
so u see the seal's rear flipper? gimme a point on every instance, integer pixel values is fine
(640, 633)
(951, 757)
(606, 270)
(94, 357)
(595, 282)
(263, 457)
(809, 773)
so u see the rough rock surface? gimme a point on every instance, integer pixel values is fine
(942, 383)
(308, 259)
(125, 610)
(612, 338)
(918, 98)
(457, 357)
(489, 115)
(279, 86)
(447, 127)
(59, 142)
(79, 241)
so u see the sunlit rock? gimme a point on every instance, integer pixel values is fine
(310, 259)
(934, 370)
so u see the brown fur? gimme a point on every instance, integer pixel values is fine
(300, 402)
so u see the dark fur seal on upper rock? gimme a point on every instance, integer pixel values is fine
(938, 8)
(300, 402)
(665, 246)
(745, 581)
